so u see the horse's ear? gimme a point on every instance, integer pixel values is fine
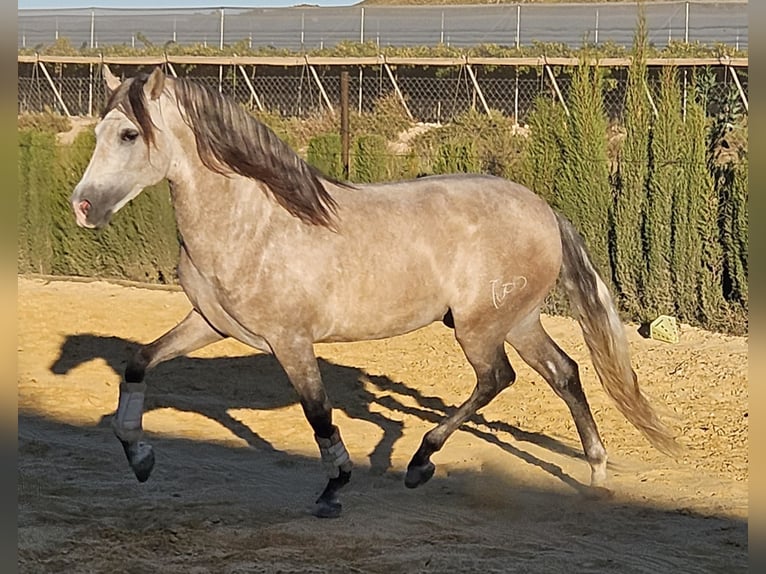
(112, 81)
(155, 83)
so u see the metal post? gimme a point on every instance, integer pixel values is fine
(303, 28)
(556, 87)
(518, 26)
(344, 131)
(441, 36)
(220, 44)
(90, 91)
(250, 86)
(92, 44)
(321, 89)
(596, 38)
(57, 28)
(174, 29)
(361, 77)
(651, 99)
(742, 94)
(686, 26)
(55, 90)
(220, 47)
(476, 87)
(361, 28)
(397, 90)
(516, 99)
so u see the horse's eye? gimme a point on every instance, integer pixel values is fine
(129, 135)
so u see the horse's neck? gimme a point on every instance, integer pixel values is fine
(213, 209)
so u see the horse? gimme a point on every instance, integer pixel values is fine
(278, 256)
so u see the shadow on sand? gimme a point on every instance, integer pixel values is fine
(213, 508)
(213, 386)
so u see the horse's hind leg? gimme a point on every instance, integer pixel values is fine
(189, 335)
(560, 371)
(493, 374)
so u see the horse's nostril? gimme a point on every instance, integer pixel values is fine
(84, 206)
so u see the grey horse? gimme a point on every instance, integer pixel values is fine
(280, 257)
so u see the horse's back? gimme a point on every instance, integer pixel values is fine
(470, 244)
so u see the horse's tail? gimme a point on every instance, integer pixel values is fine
(605, 336)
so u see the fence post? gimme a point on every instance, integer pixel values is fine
(596, 38)
(90, 77)
(321, 88)
(469, 69)
(344, 132)
(686, 25)
(53, 87)
(518, 26)
(742, 95)
(441, 35)
(556, 87)
(220, 47)
(397, 90)
(250, 85)
(220, 43)
(516, 99)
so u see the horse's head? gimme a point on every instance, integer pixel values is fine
(129, 155)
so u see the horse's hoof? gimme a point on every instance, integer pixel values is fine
(417, 475)
(142, 460)
(598, 493)
(328, 509)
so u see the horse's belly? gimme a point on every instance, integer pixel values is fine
(371, 322)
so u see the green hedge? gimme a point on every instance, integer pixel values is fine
(140, 244)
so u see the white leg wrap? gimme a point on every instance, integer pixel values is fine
(335, 457)
(127, 421)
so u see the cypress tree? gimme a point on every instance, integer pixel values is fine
(736, 243)
(665, 179)
(686, 251)
(628, 249)
(542, 158)
(584, 194)
(705, 206)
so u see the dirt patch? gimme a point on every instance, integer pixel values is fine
(237, 469)
(78, 125)
(404, 139)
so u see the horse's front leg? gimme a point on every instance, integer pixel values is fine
(189, 335)
(300, 364)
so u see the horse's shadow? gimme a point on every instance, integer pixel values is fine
(213, 387)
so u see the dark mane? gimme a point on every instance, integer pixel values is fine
(229, 139)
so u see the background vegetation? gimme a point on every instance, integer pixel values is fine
(661, 198)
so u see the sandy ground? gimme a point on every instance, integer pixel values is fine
(237, 469)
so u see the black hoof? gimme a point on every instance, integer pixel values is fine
(417, 475)
(328, 509)
(141, 459)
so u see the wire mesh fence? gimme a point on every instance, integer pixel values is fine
(431, 94)
(307, 27)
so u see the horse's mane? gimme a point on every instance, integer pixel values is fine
(229, 139)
